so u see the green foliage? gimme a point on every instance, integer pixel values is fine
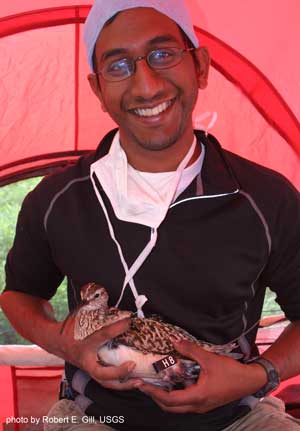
(11, 198)
(270, 306)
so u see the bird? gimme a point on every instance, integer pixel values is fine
(149, 342)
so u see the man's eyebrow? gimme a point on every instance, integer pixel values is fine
(163, 38)
(113, 52)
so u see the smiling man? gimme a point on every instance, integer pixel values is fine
(171, 224)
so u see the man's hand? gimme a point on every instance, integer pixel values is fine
(34, 319)
(221, 381)
(83, 354)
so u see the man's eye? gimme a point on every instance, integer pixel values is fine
(162, 56)
(117, 68)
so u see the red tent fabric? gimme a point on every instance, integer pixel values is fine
(49, 116)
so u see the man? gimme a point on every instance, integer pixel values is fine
(191, 232)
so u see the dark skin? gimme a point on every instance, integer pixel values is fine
(149, 148)
(159, 143)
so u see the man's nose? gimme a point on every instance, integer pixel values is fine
(146, 82)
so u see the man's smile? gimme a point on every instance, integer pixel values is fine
(153, 111)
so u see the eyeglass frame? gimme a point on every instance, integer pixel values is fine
(134, 60)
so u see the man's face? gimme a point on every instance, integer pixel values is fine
(134, 103)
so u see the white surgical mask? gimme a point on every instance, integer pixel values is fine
(131, 196)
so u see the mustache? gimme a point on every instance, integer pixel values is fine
(160, 96)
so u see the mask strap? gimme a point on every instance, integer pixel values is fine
(180, 169)
(140, 300)
(200, 126)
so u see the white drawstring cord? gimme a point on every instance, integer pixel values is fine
(199, 118)
(140, 300)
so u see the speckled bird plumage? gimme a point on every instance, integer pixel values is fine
(148, 340)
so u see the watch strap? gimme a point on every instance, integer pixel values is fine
(273, 379)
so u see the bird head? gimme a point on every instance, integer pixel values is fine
(94, 296)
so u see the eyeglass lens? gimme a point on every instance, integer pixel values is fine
(162, 58)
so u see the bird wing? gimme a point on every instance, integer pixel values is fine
(151, 335)
(155, 336)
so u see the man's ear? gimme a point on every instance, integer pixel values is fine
(95, 86)
(202, 59)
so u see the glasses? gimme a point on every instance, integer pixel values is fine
(158, 59)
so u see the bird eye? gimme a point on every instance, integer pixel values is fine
(97, 295)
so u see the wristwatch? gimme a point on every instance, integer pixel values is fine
(272, 376)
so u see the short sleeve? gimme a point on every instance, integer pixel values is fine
(282, 273)
(30, 267)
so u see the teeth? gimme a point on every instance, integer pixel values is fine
(151, 112)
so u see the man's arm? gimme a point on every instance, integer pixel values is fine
(223, 379)
(284, 353)
(34, 319)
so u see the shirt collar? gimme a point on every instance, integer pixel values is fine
(217, 176)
